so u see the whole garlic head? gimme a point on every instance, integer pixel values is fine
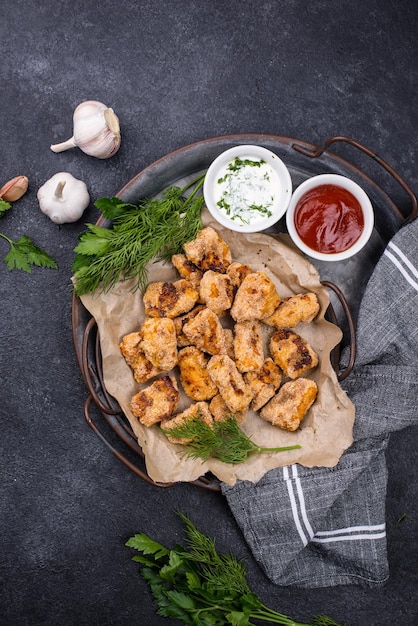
(96, 130)
(63, 198)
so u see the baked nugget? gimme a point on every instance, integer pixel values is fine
(256, 298)
(169, 299)
(216, 291)
(205, 331)
(303, 307)
(263, 383)
(290, 405)
(292, 353)
(237, 272)
(248, 346)
(220, 411)
(194, 377)
(131, 349)
(224, 373)
(197, 411)
(179, 322)
(159, 342)
(209, 251)
(187, 269)
(156, 402)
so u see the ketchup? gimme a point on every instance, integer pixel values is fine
(329, 219)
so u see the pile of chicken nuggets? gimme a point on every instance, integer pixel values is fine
(231, 338)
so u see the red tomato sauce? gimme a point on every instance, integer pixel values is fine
(329, 219)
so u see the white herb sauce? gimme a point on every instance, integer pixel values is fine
(246, 190)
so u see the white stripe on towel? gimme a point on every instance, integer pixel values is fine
(403, 264)
(300, 515)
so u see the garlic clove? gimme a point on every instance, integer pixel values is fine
(96, 130)
(63, 198)
(14, 189)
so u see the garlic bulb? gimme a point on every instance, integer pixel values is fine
(14, 189)
(96, 131)
(63, 198)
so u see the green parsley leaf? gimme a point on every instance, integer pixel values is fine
(4, 206)
(24, 254)
(206, 587)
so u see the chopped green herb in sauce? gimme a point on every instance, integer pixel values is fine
(246, 190)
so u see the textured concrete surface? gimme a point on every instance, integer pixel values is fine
(175, 73)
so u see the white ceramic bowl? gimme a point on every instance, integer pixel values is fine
(358, 193)
(252, 197)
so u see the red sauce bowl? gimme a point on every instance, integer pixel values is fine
(330, 217)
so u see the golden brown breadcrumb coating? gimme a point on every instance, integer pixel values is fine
(303, 307)
(205, 331)
(169, 299)
(237, 272)
(248, 346)
(159, 342)
(221, 412)
(256, 298)
(292, 353)
(187, 269)
(216, 291)
(156, 402)
(194, 377)
(290, 405)
(179, 322)
(263, 383)
(208, 251)
(133, 353)
(224, 373)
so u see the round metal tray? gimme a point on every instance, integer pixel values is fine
(346, 280)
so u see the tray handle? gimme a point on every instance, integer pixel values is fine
(343, 373)
(319, 150)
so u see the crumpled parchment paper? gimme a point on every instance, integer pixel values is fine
(325, 432)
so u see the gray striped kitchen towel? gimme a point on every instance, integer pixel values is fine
(318, 527)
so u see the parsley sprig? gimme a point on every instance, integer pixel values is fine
(198, 585)
(24, 253)
(153, 228)
(223, 440)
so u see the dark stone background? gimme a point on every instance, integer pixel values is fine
(175, 73)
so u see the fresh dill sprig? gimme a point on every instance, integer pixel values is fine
(197, 584)
(155, 228)
(224, 441)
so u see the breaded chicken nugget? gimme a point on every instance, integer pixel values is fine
(208, 251)
(194, 377)
(290, 405)
(216, 291)
(131, 349)
(156, 402)
(187, 269)
(292, 353)
(205, 331)
(224, 373)
(159, 342)
(179, 322)
(229, 343)
(248, 346)
(256, 298)
(169, 299)
(303, 307)
(221, 412)
(197, 411)
(263, 383)
(237, 272)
